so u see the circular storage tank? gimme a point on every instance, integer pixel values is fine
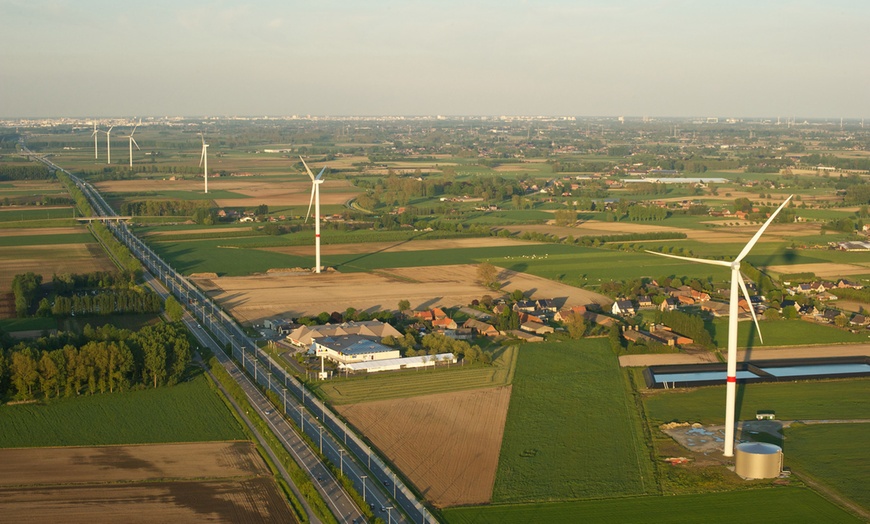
(758, 460)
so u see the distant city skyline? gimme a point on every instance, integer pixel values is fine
(671, 58)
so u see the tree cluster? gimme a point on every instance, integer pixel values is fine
(97, 361)
(25, 172)
(24, 288)
(691, 326)
(160, 208)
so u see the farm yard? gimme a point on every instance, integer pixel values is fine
(224, 481)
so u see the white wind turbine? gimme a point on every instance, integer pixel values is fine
(109, 145)
(203, 161)
(94, 134)
(736, 280)
(132, 141)
(315, 199)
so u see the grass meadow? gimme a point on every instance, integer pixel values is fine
(786, 504)
(187, 412)
(383, 386)
(834, 454)
(810, 400)
(35, 213)
(782, 333)
(572, 430)
(42, 240)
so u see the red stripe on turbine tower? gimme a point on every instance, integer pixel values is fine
(732, 379)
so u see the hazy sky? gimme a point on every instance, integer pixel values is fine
(383, 57)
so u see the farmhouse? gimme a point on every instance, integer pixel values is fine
(563, 314)
(622, 307)
(527, 337)
(347, 349)
(536, 328)
(304, 335)
(482, 328)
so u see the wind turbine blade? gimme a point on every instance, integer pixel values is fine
(134, 129)
(749, 304)
(690, 259)
(134, 142)
(310, 174)
(758, 234)
(310, 202)
(202, 156)
(320, 175)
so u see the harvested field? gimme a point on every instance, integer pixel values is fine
(833, 350)
(48, 260)
(394, 247)
(739, 234)
(220, 482)
(446, 444)
(253, 298)
(36, 231)
(826, 269)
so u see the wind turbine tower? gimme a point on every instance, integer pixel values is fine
(736, 281)
(109, 145)
(203, 161)
(132, 141)
(315, 199)
(94, 134)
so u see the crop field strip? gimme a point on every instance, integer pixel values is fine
(189, 411)
(785, 504)
(572, 431)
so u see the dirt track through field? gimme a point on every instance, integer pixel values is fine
(254, 298)
(446, 444)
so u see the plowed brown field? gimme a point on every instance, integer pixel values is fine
(446, 444)
(50, 259)
(200, 482)
(253, 298)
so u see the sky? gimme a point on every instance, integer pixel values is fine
(679, 58)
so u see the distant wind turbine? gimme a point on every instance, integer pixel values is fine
(315, 199)
(109, 145)
(203, 161)
(94, 134)
(736, 280)
(132, 141)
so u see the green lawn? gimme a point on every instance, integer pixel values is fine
(381, 386)
(810, 400)
(786, 504)
(572, 428)
(834, 454)
(188, 412)
(27, 324)
(783, 333)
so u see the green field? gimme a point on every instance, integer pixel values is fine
(783, 333)
(787, 504)
(810, 400)
(42, 240)
(188, 412)
(382, 386)
(35, 213)
(27, 324)
(834, 454)
(572, 428)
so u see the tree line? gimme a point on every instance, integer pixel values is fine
(100, 360)
(160, 208)
(691, 326)
(25, 172)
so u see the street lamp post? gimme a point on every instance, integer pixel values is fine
(341, 460)
(389, 514)
(364, 477)
(301, 419)
(321, 440)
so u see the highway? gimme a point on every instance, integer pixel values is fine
(389, 497)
